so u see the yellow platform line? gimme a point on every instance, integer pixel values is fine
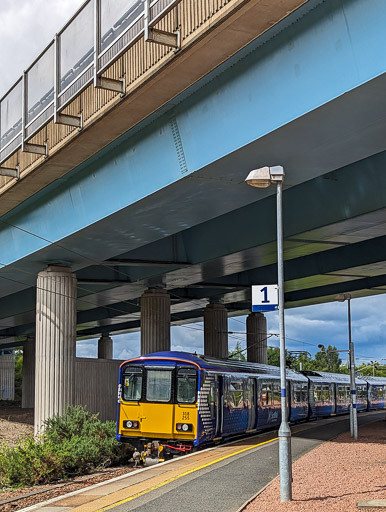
(174, 478)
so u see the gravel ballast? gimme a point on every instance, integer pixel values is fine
(334, 476)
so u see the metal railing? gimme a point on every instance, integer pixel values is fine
(99, 33)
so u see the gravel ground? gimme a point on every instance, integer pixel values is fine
(15, 424)
(334, 476)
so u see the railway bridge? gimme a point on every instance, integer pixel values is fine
(124, 149)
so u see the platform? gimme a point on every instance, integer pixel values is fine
(222, 478)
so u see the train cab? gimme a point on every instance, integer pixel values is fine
(157, 400)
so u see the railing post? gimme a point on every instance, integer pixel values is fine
(97, 38)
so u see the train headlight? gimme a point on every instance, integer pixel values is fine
(131, 424)
(184, 427)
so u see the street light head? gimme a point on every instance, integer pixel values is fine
(263, 177)
(341, 297)
(322, 347)
(260, 178)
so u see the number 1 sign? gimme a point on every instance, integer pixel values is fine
(265, 297)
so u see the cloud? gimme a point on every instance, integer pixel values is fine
(26, 28)
(306, 327)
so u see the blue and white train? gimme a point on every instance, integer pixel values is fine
(175, 402)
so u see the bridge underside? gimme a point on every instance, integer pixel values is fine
(180, 215)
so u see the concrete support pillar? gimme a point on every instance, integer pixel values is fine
(55, 343)
(216, 331)
(155, 321)
(257, 338)
(7, 375)
(105, 348)
(28, 382)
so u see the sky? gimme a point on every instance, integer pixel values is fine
(26, 28)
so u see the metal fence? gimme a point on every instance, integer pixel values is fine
(93, 39)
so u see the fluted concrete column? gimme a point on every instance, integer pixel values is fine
(105, 347)
(7, 375)
(28, 382)
(257, 338)
(155, 321)
(55, 343)
(216, 331)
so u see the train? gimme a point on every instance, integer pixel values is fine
(173, 403)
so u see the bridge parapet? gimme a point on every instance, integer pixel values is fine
(104, 59)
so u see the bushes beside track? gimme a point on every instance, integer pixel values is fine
(73, 444)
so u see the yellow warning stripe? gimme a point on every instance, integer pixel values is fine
(157, 486)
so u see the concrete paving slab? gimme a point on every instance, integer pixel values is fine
(54, 509)
(75, 501)
(372, 504)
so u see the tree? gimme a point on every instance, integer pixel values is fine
(237, 353)
(372, 369)
(274, 357)
(328, 360)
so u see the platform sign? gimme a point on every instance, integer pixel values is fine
(265, 297)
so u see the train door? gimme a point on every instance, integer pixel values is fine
(333, 398)
(251, 398)
(215, 401)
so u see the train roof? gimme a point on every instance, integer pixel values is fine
(229, 365)
(377, 381)
(339, 378)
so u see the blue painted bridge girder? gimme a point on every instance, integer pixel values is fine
(309, 95)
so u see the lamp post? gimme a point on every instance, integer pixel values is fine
(262, 178)
(342, 297)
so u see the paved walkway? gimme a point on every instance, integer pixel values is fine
(220, 479)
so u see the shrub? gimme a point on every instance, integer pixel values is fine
(72, 444)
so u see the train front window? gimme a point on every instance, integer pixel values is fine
(159, 385)
(132, 384)
(186, 386)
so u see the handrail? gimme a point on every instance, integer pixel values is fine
(63, 96)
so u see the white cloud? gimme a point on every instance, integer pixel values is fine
(306, 327)
(26, 28)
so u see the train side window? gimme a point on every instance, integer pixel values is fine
(341, 394)
(297, 393)
(326, 393)
(186, 385)
(348, 392)
(304, 393)
(132, 384)
(318, 393)
(236, 395)
(250, 392)
(380, 392)
(266, 393)
(276, 393)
